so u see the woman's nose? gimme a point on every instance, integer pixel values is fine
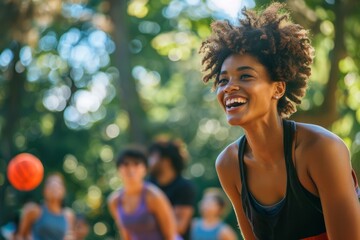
(231, 86)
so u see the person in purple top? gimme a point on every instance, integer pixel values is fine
(141, 210)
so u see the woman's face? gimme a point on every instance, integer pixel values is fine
(245, 90)
(209, 207)
(54, 188)
(132, 171)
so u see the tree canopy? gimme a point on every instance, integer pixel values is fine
(82, 79)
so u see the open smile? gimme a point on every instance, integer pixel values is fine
(231, 103)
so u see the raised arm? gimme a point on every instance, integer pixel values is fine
(161, 208)
(227, 167)
(30, 213)
(330, 169)
(113, 200)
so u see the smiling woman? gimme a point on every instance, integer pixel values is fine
(285, 179)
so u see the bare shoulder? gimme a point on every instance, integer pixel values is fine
(228, 169)
(113, 197)
(227, 233)
(228, 157)
(69, 213)
(32, 209)
(155, 198)
(153, 192)
(316, 142)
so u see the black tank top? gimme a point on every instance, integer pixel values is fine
(301, 214)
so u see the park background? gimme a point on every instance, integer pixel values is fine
(81, 79)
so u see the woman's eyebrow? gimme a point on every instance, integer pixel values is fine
(241, 68)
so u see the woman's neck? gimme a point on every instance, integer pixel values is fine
(133, 188)
(54, 206)
(211, 221)
(265, 141)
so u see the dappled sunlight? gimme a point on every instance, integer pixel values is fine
(100, 228)
(112, 131)
(70, 163)
(197, 170)
(76, 91)
(176, 45)
(94, 197)
(55, 99)
(47, 124)
(5, 58)
(138, 8)
(106, 153)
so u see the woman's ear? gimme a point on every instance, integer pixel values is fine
(280, 88)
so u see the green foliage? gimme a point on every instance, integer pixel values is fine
(60, 95)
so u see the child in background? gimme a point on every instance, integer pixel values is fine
(81, 227)
(210, 226)
(49, 220)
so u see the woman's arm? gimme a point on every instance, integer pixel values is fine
(227, 233)
(113, 200)
(183, 215)
(70, 218)
(30, 214)
(330, 169)
(227, 167)
(159, 205)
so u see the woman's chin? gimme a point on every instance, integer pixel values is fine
(234, 121)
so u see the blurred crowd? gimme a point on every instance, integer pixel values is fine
(155, 201)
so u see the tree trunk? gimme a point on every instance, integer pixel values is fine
(326, 114)
(129, 97)
(12, 108)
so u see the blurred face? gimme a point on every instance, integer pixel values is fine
(245, 90)
(54, 188)
(156, 164)
(132, 171)
(81, 229)
(209, 207)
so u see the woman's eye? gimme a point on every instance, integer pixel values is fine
(222, 81)
(245, 76)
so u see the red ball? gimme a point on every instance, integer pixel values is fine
(25, 172)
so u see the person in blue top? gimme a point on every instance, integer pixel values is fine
(285, 179)
(210, 226)
(49, 221)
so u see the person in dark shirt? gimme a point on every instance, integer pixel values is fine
(285, 179)
(166, 163)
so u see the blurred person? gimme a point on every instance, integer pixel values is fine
(166, 164)
(141, 210)
(210, 225)
(81, 227)
(11, 228)
(50, 220)
(285, 179)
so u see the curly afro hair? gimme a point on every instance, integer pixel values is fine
(281, 46)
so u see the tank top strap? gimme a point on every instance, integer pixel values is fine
(289, 132)
(242, 142)
(143, 195)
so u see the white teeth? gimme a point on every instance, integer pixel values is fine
(235, 100)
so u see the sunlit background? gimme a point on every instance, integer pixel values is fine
(87, 78)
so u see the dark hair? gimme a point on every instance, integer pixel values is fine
(131, 155)
(218, 195)
(281, 46)
(171, 151)
(55, 174)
